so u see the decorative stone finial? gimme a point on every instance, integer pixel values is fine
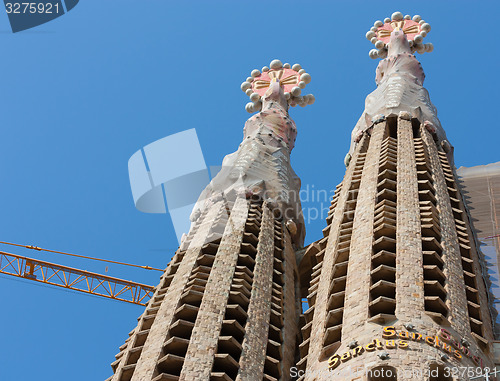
(414, 28)
(293, 79)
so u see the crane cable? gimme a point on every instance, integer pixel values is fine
(81, 256)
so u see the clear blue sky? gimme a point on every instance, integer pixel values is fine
(81, 94)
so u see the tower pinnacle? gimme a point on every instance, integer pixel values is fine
(414, 28)
(292, 79)
(399, 78)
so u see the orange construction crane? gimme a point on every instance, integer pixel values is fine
(74, 279)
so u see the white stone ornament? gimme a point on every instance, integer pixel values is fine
(311, 99)
(296, 67)
(373, 53)
(397, 16)
(407, 17)
(426, 27)
(264, 69)
(287, 66)
(418, 38)
(417, 18)
(250, 79)
(276, 64)
(255, 73)
(245, 86)
(302, 84)
(387, 20)
(379, 44)
(374, 40)
(378, 23)
(301, 71)
(373, 28)
(370, 35)
(296, 91)
(255, 97)
(249, 92)
(249, 107)
(306, 78)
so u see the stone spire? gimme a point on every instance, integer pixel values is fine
(261, 165)
(399, 77)
(395, 288)
(226, 307)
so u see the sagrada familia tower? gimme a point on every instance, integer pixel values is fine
(394, 288)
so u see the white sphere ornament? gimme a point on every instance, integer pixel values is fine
(255, 73)
(249, 92)
(418, 38)
(255, 97)
(410, 43)
(276, 64)
(370, 35)
(426, 26)
(379, 44)
(305, 77)
(378, 23)
(429, 47)
(250, 79)
(382, 53)
(423, 33)
(257, 106)
(301, 71)
(373, 28)
(387, 20)
(264, 69)
(296, 91)
(417, 18)
(373, 53)
(287, 66)
(249, 107)
(397, 16)
(421, 22)
(374, 40)
(420, 48)
(296, 67)
(245, 86)
(302, 84)
(311, 99)
(407, 17)
(287, 96)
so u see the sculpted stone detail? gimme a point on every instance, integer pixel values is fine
(261, 165)
(399, 76)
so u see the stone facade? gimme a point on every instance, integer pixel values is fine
(395, 288)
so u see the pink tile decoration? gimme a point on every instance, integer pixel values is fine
(409, 27)
(288, 79)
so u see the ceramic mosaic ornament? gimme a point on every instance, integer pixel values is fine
(292, 79)
(414, 28)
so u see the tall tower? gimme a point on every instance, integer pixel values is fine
(226, 307)
(396, 285)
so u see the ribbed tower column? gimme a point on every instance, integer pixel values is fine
(395, 287)
(226, 306)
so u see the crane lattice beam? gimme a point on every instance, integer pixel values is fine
(75, 279)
